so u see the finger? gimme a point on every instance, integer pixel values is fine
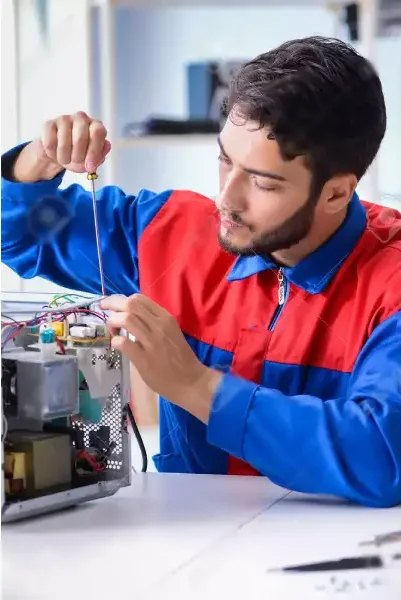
(131, 323)
(139, 302)
(97, 138)
(49, 139)
(115, 303)
(106, 150)
(132, 350)
(120, 305)
(80, 138)
(64, 140)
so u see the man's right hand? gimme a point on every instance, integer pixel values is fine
(74, 142)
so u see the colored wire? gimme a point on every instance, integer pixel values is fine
(67, 298)
(5, 327)
(57, 314)
(11, 319)
(81, 304)
(10, 336)
(80, 296)
(88, 312)
(31, 322)
(60, 345)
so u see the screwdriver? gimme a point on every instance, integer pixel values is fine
(345, 564)
(92, 177)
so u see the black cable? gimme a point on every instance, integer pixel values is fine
(10, 319)
(138, 439)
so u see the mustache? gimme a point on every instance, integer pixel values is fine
(233, 217)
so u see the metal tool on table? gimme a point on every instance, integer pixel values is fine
(345, 564)
(383, 538)
(92, 177)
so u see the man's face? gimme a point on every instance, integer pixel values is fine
(264, 202)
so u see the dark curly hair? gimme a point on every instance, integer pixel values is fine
(319, 99)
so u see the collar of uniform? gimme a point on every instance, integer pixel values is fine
(315, 271)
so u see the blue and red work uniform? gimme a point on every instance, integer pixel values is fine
(311, 395)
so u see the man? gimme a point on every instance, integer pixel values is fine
(268, 321)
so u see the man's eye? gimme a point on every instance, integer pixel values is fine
(223, 158)
(265, 189)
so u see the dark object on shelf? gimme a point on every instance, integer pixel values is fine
(352, 21)
(388, 19)
(207, 88)
(159, 126)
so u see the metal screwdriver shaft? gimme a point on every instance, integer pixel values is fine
(92, 177)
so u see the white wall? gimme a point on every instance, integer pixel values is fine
(54, 79)
(388, 63)
(9, 122)
(54, 71)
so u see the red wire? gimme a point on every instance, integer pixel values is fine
(15, 333)
(95, 465)
(60, 346)
(43, 318)
(60, 317)
(87, 311)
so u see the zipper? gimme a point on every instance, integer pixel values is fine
(281, 287)
(281, 297)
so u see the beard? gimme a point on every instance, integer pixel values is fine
(288, 234)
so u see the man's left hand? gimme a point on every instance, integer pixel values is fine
(160, 353)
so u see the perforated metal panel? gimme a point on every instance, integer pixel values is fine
(112, 414)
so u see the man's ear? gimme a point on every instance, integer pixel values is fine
(338, 191)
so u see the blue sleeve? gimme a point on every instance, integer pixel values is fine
(349, 447)
(49, 232)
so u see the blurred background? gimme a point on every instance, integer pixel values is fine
(130, 61)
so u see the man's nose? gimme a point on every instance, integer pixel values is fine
(231, 197)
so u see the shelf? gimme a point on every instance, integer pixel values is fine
(166, 140)
(108, 18)
(224, 3)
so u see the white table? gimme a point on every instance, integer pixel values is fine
(192, 536)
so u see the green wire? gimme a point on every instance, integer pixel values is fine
(67, 297)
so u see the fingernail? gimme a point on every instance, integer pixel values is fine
(90, 167)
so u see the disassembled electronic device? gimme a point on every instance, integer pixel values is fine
(65, 409)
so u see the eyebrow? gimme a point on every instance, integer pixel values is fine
(266, 174)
